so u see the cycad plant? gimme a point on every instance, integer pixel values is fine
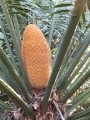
(24, 81)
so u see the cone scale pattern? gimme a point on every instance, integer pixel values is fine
(36, 56)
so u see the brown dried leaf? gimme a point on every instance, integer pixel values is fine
(17, 115)
(36, 105)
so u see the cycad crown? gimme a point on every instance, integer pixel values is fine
(36, 56)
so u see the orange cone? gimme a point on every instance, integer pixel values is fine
(36, 56)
